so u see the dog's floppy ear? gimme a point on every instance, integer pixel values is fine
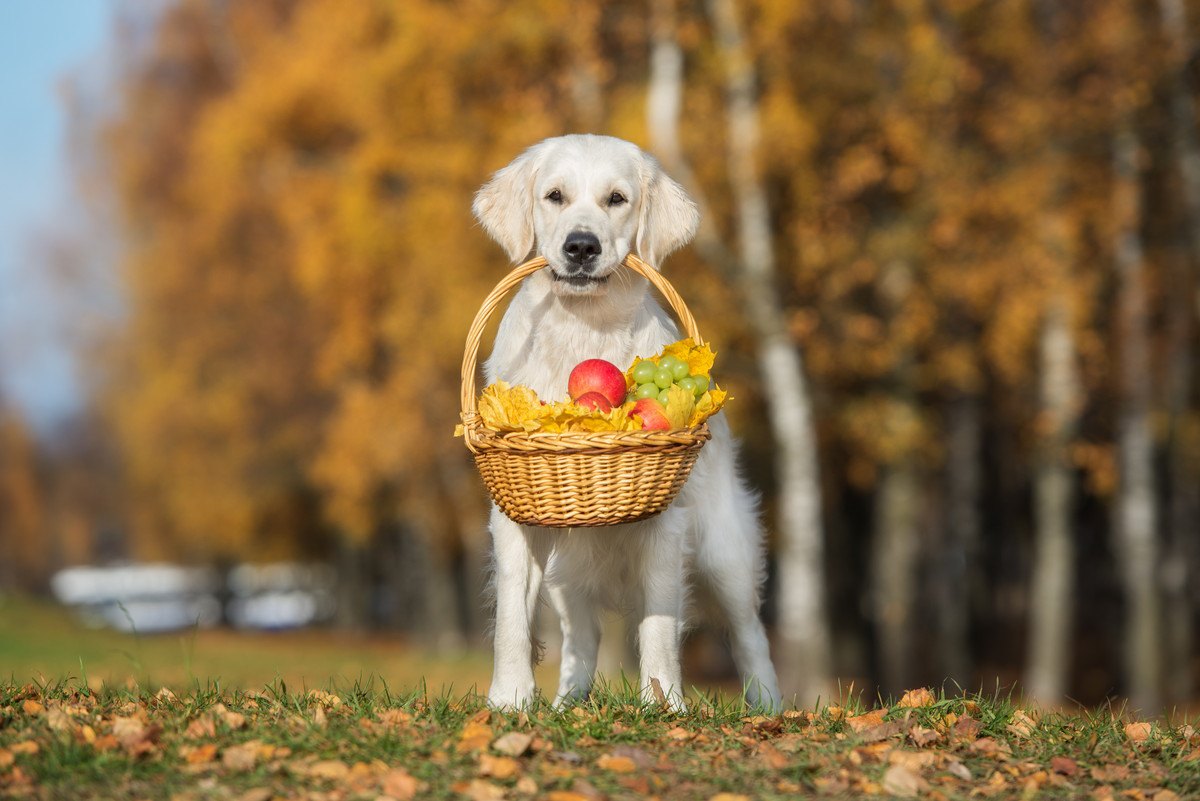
(504, 205)
(667, 219)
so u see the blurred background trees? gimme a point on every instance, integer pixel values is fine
(949, 259)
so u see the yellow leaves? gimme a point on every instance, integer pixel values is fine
(616, 764)
(916, 698)
(680, 406)
(518, 408)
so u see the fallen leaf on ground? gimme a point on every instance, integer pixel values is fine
(1064, 765)
(332, 769)
(479, 790)
(514, 743)
(400, 785)
(913, 760)
(475, 737)
(1110, 773)
(501, 767)
(966, 728)
(922, 736)
(900, 780)
(203, 726)
(917, 698)
(868, 720)
(616, 764)
(33, 708)
(241, 757)
(1137, 732)
(1022, 725)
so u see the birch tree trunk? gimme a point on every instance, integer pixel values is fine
(895, 545)
(1053, 581)
(803, 626)
(1183, 480)
(1137, 513)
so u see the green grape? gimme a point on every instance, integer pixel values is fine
(662, 396)
(646, 391)
(688, 384)
(669, 361)
(663, 377)
(701, 382)
(679, 370)
(643, 372)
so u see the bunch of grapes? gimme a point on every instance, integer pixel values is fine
(655, 378)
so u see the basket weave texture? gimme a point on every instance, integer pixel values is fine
(577, 479)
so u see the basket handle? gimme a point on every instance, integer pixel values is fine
(519, 274)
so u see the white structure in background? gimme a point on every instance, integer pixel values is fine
(154, 598)
(280, 596)
(142, 598)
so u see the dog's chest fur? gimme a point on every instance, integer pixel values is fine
(541, 337)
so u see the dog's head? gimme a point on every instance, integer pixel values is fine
(584, 202)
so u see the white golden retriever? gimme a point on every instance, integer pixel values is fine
(583, 202)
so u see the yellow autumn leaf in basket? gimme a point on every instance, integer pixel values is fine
(508, 408)
(517, 408)
(679, 406)
(707, 405)
(557, 418)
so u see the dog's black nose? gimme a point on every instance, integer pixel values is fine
(581, 248)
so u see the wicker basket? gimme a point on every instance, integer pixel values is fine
(577, 479)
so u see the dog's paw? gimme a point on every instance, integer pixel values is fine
(510, 698)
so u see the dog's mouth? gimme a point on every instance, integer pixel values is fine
(579, 281)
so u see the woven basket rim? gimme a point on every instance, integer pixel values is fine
(485, 438)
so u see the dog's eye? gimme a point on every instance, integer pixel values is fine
(616, 199)
(555, 196)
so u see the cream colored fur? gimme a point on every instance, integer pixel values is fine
(711, 531)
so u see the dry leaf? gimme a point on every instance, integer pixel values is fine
(679, 734)
(616, 764)
(6, 758)
(902, 781)
(241, 757)
(771, 757)
(729, 797)
(475, 737)
(922, 736)
(1166, 795)
(199, 754)
(958, 770)
(1063, 765)
(869, 720)
(514, 743)
(257, 794)
(399, 784)
(332, 769)
(913, 760)
(1022, 725)
(966, 728)
(565, 795)
(32, 708)
(1110, 773)
(1138, 732)
(917, 698)
(501, 767)
(479, 790)
(201, 727)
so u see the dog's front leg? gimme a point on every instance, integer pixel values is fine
(661, 627)
(520, 555)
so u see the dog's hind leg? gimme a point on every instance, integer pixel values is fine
(580, 645)
(730, 558)
(520, 555)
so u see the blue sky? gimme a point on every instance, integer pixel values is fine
(40, 42)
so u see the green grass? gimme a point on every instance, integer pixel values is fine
(41, 641)
(358, 740)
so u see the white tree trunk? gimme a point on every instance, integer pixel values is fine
(1137, 513)
(803, 626)
(1053, 581)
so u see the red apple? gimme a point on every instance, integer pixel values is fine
(597, 375)
(594, 400)
(654, 416)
